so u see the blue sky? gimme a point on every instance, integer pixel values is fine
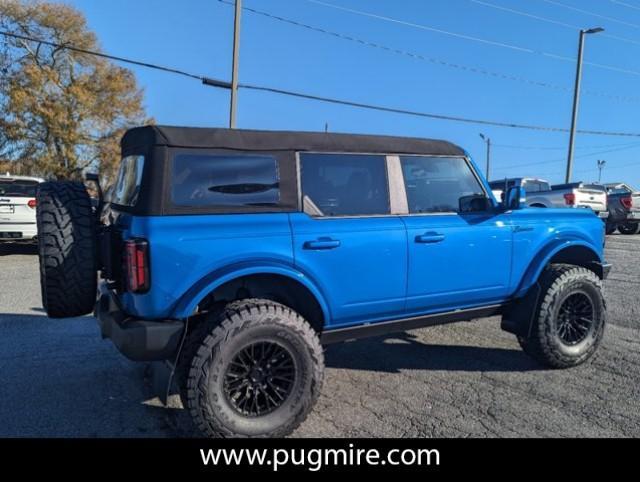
(196, 35)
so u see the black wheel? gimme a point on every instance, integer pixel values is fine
(66, 249)
(570, 318)
(611, 228)
(629, 228)
(257, 373)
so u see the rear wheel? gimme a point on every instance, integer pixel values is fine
(629, 228)
(66, 249)
(257, 372)
(610, 228)
(570, 318)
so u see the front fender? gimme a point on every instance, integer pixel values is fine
(546, 254)
(188, 302)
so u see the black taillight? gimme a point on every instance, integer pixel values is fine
(136, 265)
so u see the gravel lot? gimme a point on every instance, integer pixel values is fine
(59, 378)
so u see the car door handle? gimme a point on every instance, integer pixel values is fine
(322, 243)
(429, 238)
(522, 229)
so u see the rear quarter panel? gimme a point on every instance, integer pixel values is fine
(185, 251)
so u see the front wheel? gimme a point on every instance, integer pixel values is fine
(629, 228)
(569, 322)
(257, 373)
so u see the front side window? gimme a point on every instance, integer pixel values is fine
(436, 184)
(127, 185)
(344, 184)
(225, 180)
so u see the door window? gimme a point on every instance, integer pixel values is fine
(344, 184)
(436, 184)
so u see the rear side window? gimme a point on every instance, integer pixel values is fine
(344, 184)
(225, 180)
(127, 186)
(18, 188)
(436, 184)
(536, 186)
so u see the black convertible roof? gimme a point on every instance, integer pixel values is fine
(259, 140)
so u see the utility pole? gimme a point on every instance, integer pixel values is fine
(576, 98)
(234, 66)
(488, 141)
(601, 164)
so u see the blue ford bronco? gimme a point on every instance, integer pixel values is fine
(234, 255)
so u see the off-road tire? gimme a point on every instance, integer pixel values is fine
(558, 282)
(629, 228)
(239, 325)
(66, 249)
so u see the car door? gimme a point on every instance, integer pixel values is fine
(347, 240)
(456, 259)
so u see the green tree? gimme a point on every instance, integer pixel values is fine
(61, 112)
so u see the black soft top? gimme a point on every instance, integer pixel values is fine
(260, 140)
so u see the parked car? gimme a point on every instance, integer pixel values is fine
(624, 208)
(235, 254)
(530, 184)
(541, 194)
(18, 208)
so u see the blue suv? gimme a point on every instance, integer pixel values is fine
(235, 255)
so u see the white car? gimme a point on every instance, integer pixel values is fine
(18, 208)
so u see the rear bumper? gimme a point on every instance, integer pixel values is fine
(18, 232)
(138, 340)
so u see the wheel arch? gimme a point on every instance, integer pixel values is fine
(574, 251)
(286, 282)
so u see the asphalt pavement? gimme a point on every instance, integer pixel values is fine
(59, 379)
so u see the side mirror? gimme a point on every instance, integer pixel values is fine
(475, 203)
(515, 198)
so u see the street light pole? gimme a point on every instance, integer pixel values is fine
(235, 65)
(576, 98)
(601, 164)
(488, 141)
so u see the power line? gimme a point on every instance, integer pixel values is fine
(100, 54)
(226, 85)
(624, 4)
(556, 148)
(394, 110)
(472, 38)
(593, 14)
(582, 156)
(549, 20)
(433, 60)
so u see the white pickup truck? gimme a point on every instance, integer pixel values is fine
(542, 194)
(18, 208)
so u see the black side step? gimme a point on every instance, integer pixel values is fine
(382, 328)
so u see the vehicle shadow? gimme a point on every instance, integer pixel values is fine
(7, 249)
(60, 379)
(405, 351)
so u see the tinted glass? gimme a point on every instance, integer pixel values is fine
(344, 184)
(18, 188)
(225, 180)
(436, 184)
(127, 186)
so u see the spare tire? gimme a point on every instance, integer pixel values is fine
(66, 248)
